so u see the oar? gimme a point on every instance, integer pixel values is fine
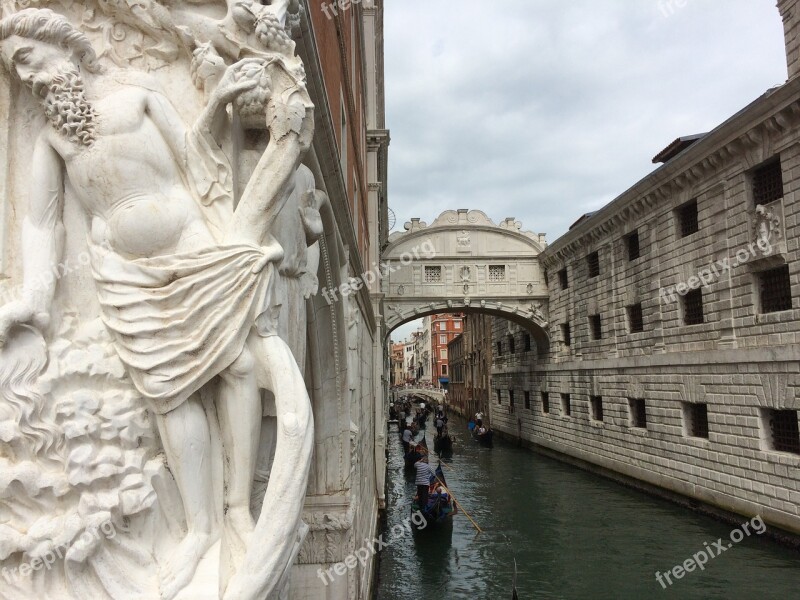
(458, 504)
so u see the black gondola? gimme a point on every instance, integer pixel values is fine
(443, 443)
(485, 438)
(440, 507)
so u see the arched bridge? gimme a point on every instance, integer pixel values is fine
(434, 396)
(463, 262)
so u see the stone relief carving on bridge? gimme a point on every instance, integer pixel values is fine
(133, 439)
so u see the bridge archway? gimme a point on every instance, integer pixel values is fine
(463, 262)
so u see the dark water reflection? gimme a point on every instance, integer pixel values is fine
(574, 535)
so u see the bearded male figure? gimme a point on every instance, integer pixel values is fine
(181, 292)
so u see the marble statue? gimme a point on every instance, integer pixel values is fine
(197, 285)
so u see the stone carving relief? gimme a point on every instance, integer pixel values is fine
(767, 229)
(134, 437)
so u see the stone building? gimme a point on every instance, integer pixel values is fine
(398, 364)
(675, 321)
(471, 366)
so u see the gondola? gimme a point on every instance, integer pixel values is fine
(484, 439)
(440, 508)
(443, 443)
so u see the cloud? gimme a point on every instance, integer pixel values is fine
(543, 111)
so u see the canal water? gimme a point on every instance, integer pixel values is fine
(574, 535)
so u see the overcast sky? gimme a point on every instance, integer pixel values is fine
(547, 109)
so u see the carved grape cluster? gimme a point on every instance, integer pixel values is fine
(272, 34)
(253, 102)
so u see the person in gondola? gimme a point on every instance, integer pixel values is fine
(423, 481)
(439, 425)
(407, 435)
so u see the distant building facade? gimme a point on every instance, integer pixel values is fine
(471, 366)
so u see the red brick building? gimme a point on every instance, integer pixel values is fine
(443, 329)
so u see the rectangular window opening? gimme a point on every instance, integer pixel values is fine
(687, 219)
(597, 407)
(775, 289)
(636, 318)
(593, 263)
(638, 413)
(693, 307)
(566, 405)
(632, 244)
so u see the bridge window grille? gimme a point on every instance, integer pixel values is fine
(638, 413)
(546, 403)
(596, 325)
(776, 290)
(696, 417)
(687, 219)
(527, 400)
(563, 279)
(636, 318)
(632, 242)
(593, 262)
(783, 430)
(433, 274)
(693, 307)
(566, 334)
(497, 273)
(768, 183)
(596, 403)
(566, 405)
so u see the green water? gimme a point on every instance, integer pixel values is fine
(574, 535)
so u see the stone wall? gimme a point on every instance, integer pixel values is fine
(738, 364)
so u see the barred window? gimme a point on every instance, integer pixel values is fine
(596, 403)
(593, 262)
(563, 278)
(526, 340)
(696, 419)
(693, 307)
(783, 430)
(566, 405)
(775, 289)
(638, 413)
(545, 402)
(511, 347)
(499, 348)
(636, 318)
(768, 183)
(433, 274)
(527, 400)
(497, 273)
(632, 243)
(511, 397)
(687, 218)
(596, 325)
(499, 397)
(566, 333)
